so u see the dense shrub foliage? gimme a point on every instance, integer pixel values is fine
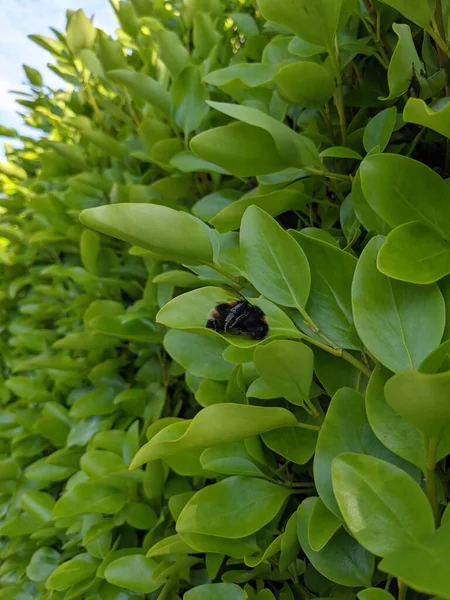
(296, 151)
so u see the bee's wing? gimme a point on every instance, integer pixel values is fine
(234, 291)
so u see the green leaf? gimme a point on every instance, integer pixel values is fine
(172, 51)
(189, 99)
(190, 311)
(143, 87)
(89, 497)
(215, 591)
(383, 507)
(416, 111)
(71, 572)
(216, 424)
(346, 429)
(134, 572)
(274, 204)
(198, 354)
(241, 149)
(423, 566)
(12, 170)
(340, 152)
(329, 302)
(242, 75)
(38, 504)
(417, 11)
(297, 150)
(89, 249)
(296, 444)
(275, 264)
(43, 562)
(290, 546)
(233, 508)
(399, 323)
(379, 130)
(80, 32)
(342, 560)
(172, 544)
(416, 253)
(422, 400)
(374, 594)
(317, 84)
(235, 548)
(322, 526)
(106, 143)
(364, 212)
(391, 429)
(174, 234)
(401, 190)
(287, 368)
(313, 21)
(33, 76)
(230, 459)
(404, 61)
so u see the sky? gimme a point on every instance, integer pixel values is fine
(20, 18)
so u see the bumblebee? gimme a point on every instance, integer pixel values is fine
(239, 316)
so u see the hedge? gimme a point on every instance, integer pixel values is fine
(286, 161)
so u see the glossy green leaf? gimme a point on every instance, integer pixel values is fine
(315, 22)
(391, 429)
(43, 562)
(322, 526)
(175, 235)
(89, 497)
(241, 149)
(364, 212)
(243, 74)
(200, 355)
(213, 425)
(236, 548)
(342, 560)
(374, 594)
(80, 32)
(404, 61)
(274, 204)
(189, 99)
(402, 190)
(383, 507)
(400, 323)
(416, 111)
(230, 459)
(143, 87)
(417, 11)
(346, 429)
(317, 85)
(290, 546)
(296, 444)
(329, 302)
(421, 399)
(379, 130)
(71, 572)
(414, 563)
(297, 150)
(172, 51)
(134, 572)
(233, 508)
(265, 249)
(416, 253)
(287, 367)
